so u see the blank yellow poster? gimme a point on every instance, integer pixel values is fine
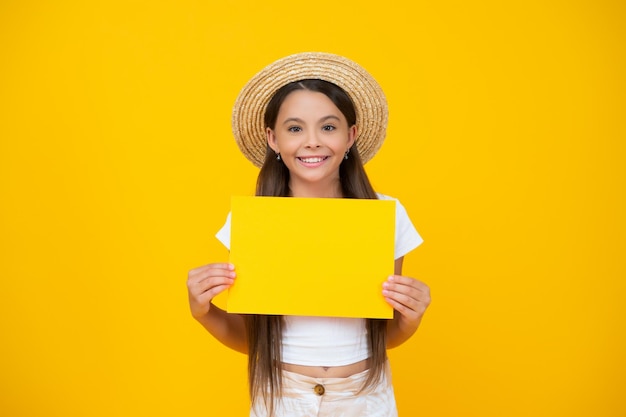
(311, 256)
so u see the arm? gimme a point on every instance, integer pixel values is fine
(203, 284)
(409, 298)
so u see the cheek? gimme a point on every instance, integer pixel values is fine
(287, 145)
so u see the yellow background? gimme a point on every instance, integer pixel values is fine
(505, 143)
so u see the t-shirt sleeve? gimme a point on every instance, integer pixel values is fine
(223, 235)
(407, 237)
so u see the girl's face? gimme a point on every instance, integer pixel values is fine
(312, 136)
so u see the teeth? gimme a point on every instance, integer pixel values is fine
(311, 160)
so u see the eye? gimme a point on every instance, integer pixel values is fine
(294, 129)
(328, 128)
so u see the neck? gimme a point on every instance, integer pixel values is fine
(332, 189)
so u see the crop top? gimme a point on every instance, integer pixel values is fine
(334, 341)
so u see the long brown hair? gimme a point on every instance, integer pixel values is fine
(265, 332)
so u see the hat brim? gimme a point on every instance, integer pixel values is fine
(369, 100)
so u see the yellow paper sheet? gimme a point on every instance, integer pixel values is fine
(311, 256)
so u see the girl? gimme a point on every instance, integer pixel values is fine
(311, 121)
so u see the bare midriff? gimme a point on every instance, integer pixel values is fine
(328, 371)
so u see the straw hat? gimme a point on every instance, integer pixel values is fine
(368, 98)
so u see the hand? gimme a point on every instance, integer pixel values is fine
(409, 297)
(205, 282)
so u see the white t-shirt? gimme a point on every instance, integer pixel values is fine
(334, 341)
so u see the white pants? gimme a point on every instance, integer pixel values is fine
(305, 396)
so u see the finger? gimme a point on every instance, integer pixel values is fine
(402, 280)
(209, 295)
(391, 288)
(209, 283)
(224, 265)
(220, 265)
(399, 307)
(204, 273)
(401, 298)
(410, 308)
(408, 296)
(405, 284)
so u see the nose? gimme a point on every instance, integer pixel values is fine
(312, 140)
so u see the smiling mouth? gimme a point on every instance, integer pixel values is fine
(312, 159)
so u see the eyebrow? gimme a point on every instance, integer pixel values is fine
(298, 120)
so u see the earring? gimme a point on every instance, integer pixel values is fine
(277, 156)
(346, 154)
